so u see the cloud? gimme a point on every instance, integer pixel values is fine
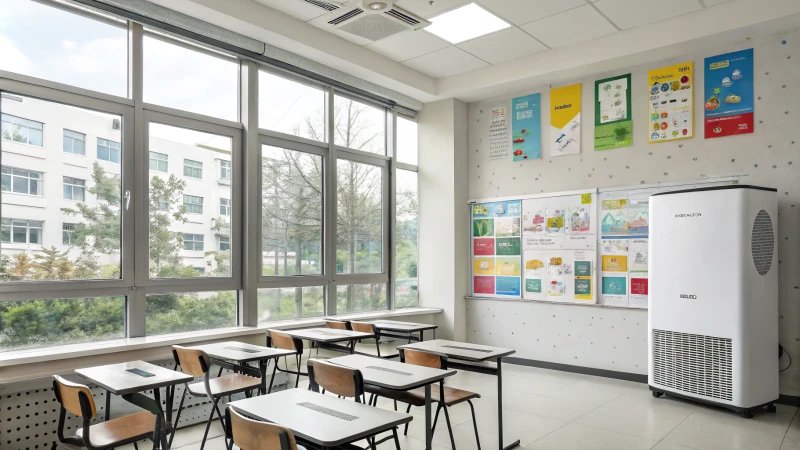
(13, 59)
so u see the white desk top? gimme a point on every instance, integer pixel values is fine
(116, 379)
(241, 352)
(394, 325)
(327, 335)
(459, 350)
(392, 374)
(319, 418)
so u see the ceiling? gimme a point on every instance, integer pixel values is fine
(537, 26)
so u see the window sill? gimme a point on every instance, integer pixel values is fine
(317, 321)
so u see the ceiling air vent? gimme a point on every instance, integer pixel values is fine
(346, 16)
(328, 6)
(374, 19)
(400, 15)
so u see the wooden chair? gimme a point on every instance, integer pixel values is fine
(366, 327)
(197, 363)
(445, 396)
(286, 342)
(254, 435)
(344, 382)
(78, 400)
(336, 325)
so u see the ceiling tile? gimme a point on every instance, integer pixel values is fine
(445, 62)
(524, 11)
(569, 27)
(294, 8)
(408, 44)
(322, 22)
(503, 46)
(426, 8)
(635, 13)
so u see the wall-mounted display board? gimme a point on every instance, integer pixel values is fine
(588, 246)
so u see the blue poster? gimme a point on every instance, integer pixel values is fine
(729, 94)
(497, 209)
(507, 286)
(615, 286)
(526, 132)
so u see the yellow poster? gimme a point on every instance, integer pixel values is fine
(615, 263)
(565, 120)
(671, 104)
(483, 266)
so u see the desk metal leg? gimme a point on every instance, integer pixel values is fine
(108, 405)
(166, 423)
(500, 407)
(428, 431)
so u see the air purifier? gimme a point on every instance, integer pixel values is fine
(713, 284)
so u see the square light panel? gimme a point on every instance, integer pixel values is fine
(465, 23)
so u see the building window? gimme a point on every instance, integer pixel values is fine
(194, 205)
(74, 189)
(21, 231)
(68, 233)
(224, 207)
(192, 169)
(193, 242)
(163, 206)
(21, 181)
(74, 142)
(22, 130)
(224, 243)
(225, 170)
(108, 150)
(158, 162)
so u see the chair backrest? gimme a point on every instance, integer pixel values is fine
(363, 327)
(192, 361)
(283, 341)
(337, 379)
(69, 394)
(336, 324)
(425, 359)
(250, 434)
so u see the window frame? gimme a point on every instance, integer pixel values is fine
(188, 204)
(73, 139)
(27, 131)
(194, 242)
(192, 168)
(223, 169)
(12, 176)
(110, 150)
(12, 225)
(72, 187)
(158, 161)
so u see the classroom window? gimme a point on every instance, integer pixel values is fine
(193, 169)
(194, 205)
(24, 131)
(21, 231)
(68, 233)
(225, 170)
(360, 298)
(108, 150)
(21, 181)
(290, 303)
(291, 107)
(407, 141)
(359, 222)
(224, 207)
(159, 162)
(190, 311)
(359, 126)
(224, 243)
(193, 242)
(406, 245)
(74, 142)
(74, 189)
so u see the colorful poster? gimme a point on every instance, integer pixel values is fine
(507, 267)
(496, 247)
(483, 285)
(497, 209)
(565, 120)
(483, 227)
(535, 276)
(671, 104)
(557, 271)
(583, 278)
(483, 247)
(508, 246)
(506, 226)
(614, 217)
(483, 266)
(615, 263)
(613, 126)
(526, 133)
(498, 133)
(614, 271)
(729, 94)
(614, 286)
(508, 286)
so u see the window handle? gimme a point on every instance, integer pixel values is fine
(127, 199)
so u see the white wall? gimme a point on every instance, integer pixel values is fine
(615, 339)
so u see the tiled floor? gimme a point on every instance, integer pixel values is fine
(554, 410)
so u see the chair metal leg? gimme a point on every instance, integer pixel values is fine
(135, 446)
(178, 416)
(396, 439)
(475, 424)
(449, 427)
(208, 424)
(435, 419)
(221, 422)
(395, 405)
(272, 379)
(297, 381)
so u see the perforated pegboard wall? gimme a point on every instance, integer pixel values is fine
(615, 339)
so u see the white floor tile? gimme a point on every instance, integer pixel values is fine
(790, 443)
(706, 434)
(554, 408)
(629, 422)
(763, 422)
(667, 446)
(594, 392)
(574, 436)
(794, 427)
(642, 401)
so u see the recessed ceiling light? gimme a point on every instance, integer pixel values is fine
(465, 23)
(377, 6)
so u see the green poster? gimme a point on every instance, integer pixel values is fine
(482, 227)
(583, 268)
(583, 286)
(507, 246)
(533, 286)
(613, 126)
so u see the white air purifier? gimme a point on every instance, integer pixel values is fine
(713, 285)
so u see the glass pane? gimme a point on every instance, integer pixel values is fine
(176, 206)
(359, 126)
(44, 323)
(181, 77)
(359, 194)
(290, 303)
(291, 212)
(406, 282)
(190, 311)
(407, 141)
(360, 298)
(94, 208)
(291, 107)
(50, 43)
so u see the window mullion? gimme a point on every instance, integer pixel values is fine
(329, 215)
(136, 304)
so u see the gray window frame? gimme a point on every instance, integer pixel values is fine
(77, 136)
(192, 169)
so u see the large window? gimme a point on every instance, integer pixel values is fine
(291, 212)
(359, 223)
(291, 107)
(407, 141)
(360, 298)
(108, 150)
(24, 131)
(74, 189)
(290, 303)
(359, 126)
(177, 313)
(74, 142)
(406, 227)
(20, 181)
(21, 232)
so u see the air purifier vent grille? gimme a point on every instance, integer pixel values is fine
(762, 242)
(693, 363)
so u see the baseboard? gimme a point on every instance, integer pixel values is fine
(791, 400)
(637, 377)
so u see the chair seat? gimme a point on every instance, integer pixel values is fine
(416, 397)
(122, 429)
(227, 384)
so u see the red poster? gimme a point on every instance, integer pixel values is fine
(639, 286)
(730, 125)
(483, 247)
(483, 285)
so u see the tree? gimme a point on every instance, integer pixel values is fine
(165, 244)
(53, 265)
